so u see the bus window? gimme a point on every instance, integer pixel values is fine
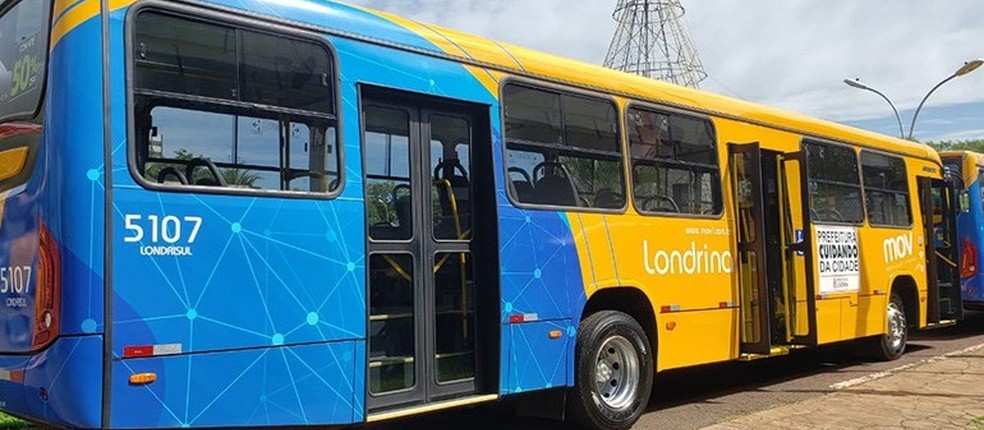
(562, 149)
(451, 187)
(389, 199)
(886, 190)
(223, 107)
(23, 54)
(674, 164)
(835, 184)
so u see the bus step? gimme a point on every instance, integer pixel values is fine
(776, 351)
(941, 324)
(431, 407)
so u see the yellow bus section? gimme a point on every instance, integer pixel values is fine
(688, 267)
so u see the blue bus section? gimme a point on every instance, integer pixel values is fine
(74, 196)
(970, 225)
(60, 208)
(58, 386)
(248, 310)
(537, 252)
(294, 385)
(256, 313)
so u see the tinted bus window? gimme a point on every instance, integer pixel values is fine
(23, 55)
(886, 190)
(674, 164)
(835, 184)
(286, 72)
(224, 107)
(563, 149)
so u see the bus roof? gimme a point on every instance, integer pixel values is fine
(511, 59)
(976, 156)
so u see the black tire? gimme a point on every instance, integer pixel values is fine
(617, 405)
(891, 345)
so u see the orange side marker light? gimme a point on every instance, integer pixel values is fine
(143, 379)
(556, 334)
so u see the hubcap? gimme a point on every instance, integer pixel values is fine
(896, 327)
(617, 373)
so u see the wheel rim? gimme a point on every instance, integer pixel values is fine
(617, 373)
(896, 327)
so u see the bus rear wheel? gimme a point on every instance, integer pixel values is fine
(891, 345)
(613, 372)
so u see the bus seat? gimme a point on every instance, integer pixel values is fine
(523, 191)
(606, 198)
(555, 190)
(404, 215)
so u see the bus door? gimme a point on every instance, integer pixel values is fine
(939, 203)
(799, 253)
(767, 295)
(423, 283)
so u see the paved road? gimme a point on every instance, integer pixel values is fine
(695, 398)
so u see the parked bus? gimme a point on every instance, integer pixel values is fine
(301, 213)
(969, 168)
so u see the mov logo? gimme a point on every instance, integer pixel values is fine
(897, 248)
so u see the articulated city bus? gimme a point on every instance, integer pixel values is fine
(246, 213)
(969, 167)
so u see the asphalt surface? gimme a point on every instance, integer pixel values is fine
(699, 397)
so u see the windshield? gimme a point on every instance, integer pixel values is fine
(23, 49)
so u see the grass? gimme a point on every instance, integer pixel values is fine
(978, 424)
(8, 422)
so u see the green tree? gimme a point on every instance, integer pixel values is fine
(975, 145)
(242, 178)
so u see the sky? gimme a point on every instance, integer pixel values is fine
(792, 54)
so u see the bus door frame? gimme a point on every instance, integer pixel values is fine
(424, 246)
(746, 177)
(949, 193)
(801, 246)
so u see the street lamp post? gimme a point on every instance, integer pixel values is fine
(857, 84)
(967, 68)
(964, 70)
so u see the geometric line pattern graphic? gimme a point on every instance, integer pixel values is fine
(296, 385)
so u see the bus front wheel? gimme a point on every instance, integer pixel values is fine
(613, 372)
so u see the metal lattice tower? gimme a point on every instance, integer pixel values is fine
(651, 41)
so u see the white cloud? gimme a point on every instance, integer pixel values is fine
(787, 53)
(961, 135)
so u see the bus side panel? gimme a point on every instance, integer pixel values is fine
(59, 387)
(301, 385)
(75, 194)
(63, 383)
(541, 281)
(263, 276)
(683, 264)
(66, 380)
(535, 361)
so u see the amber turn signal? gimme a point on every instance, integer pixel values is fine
(143, 378)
